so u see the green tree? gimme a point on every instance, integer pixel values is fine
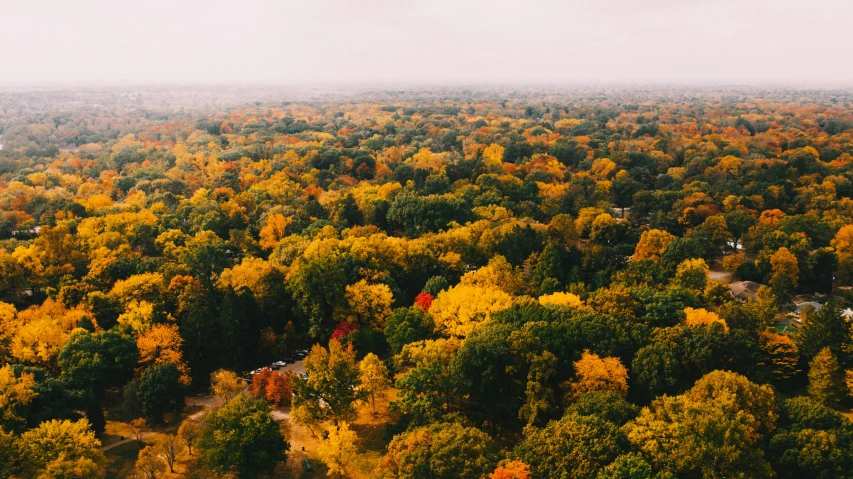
(333, 384)
(813, 441)
(627, 466)
(242, 437)
(156, 391)
(713, 430)
(575, 446)
(98, 360)
(608, 405)
(825, 328)
(826, 379)
(407, 325)
(440, 451)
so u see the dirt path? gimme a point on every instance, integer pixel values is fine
(126, 440)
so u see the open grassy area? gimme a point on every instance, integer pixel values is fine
(371, 429)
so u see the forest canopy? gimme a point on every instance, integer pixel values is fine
(590, 283)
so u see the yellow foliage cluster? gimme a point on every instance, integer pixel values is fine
(702, 317)
(459, 310)
(651, 244)
(368, 304)
(593, 373)
(568, 300)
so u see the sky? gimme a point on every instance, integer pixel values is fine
(126, 42)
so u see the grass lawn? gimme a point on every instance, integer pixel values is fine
(120, 460)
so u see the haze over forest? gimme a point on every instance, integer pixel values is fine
(444, 41)
(586, 239)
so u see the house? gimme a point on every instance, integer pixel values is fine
(744, 291)
(804, 308)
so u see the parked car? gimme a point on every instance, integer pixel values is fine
(279, 364)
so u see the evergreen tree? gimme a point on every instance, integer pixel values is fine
(826, 379)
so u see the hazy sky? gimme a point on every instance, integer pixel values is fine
(431, 41)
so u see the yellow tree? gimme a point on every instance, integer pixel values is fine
(702, 317)
(162, 344)
(339, 449)
(568, 300)
(374, 378)
(65, 446)
(692, 274)
(593, 373)
(461, 309)
(149, 464)
(14, 393)
(274, 230)
(188, 433)
(651, 244)
(368, 304)
(168, 447)
(843, 244)
(225, 384)
(785, 274)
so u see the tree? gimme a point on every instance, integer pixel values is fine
(137, 427)
(15, 393)
(692, 274)
(627, 466)
(162, 344)
(785, 273)
(702, 317)
(242, 436)
(56, 448)
(440, 451)
(459, 310)
(368, 304)
(274, 230)
(593, 373)
(158, 390)
(781, 356)
(338, 449)
(814, 441)
(374, 378)
(826, 328)
(575, 446)
(512, 470)
(843, 244)
(408, 325)
(149, 464)
(567, 300)
(166, 447)
(713, 430)
(826, 379)
(189, 433)
(272, 386)
(606, 404)
(428, 390)
(651, 245)
(98, 360)
(333, 385)
(226, 384)
(8, 455)
(317, 283)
